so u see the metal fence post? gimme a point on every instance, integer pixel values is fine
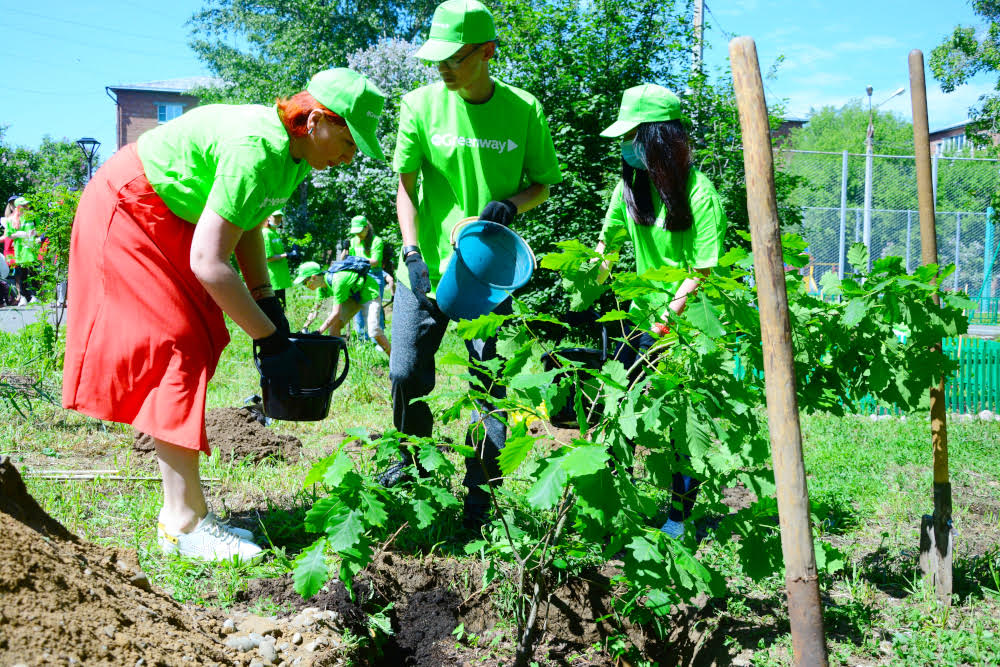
(934, 166)
(866, 232)
(909, 221)
(842, 256)
(857, 225)
(958, 241)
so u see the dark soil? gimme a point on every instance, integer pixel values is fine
(238, 435)
(63, 601)
(430, 598)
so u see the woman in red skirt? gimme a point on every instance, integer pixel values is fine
(149, 274)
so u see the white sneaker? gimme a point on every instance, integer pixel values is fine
(22, 301)
(210, 540)
(241, 533)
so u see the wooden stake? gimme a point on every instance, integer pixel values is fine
(801, 581)
(935, 530)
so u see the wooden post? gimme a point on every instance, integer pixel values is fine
(935, 530)
(801, 582)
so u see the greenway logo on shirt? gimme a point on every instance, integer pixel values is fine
(451, 140)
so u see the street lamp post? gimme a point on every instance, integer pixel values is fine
(866, 234)
(89, 147)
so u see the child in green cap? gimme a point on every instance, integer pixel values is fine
(469, 145)
(365, 243)
(352, 291)
(673, 216)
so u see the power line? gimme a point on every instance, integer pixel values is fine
(93, 26)
(61, 91)
(95, 45)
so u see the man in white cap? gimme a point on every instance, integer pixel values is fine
(468, 145)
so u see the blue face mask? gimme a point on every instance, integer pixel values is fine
(634, 154)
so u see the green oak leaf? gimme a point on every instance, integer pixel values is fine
(344, 530)
(704, 316)
(514, 452)
(548, 486)
(585, 459)
(310, 571)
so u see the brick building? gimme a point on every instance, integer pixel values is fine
(143, 106)
(952, 140)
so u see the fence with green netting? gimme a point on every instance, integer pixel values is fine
(971, 389)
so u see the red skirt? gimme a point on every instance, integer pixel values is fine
(143, 337)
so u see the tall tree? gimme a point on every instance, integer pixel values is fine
(967, 52)
(267, 48)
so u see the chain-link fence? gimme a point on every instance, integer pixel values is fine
(846, 197)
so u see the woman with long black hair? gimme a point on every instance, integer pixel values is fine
(673, 216)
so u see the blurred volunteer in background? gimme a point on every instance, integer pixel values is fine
(277, 259)
(21, 230)
(673, 216)
(364, 243)
(468, 145)
(150, 276)
(352, 289)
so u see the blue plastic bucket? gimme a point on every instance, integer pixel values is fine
(490, 261)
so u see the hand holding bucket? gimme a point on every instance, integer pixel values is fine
(489, 262)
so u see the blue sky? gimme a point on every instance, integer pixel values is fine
(58, 55)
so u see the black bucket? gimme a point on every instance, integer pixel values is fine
(310, 401)
(588, 358)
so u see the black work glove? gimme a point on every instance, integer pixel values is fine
(293, 253)
(272, 308)
(420, 279)
(501, 212)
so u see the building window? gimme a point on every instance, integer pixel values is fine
(165, 112)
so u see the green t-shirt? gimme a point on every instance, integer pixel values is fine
(468, 155)
(345, 284)
(277, 270)
(358, 249)
(696, 248)
(233, 159)
(26, 250)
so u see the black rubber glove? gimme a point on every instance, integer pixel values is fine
(272, 308)
(293, 253)
(501, 212)
(420, 279)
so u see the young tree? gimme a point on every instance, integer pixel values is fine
(967, 52)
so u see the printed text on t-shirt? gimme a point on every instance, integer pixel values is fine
(451, 140)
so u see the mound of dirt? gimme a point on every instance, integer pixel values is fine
(64, 601)
(237, 434)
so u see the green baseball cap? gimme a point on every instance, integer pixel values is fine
(307, 270)
(356, 99)
(647, 103)
(20, 201)
(279, 212)
(456, 23)
(358, 223)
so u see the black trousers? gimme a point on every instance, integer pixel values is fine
(418, 326)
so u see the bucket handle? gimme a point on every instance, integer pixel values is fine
(313, 392)
(321, 392)
(453, 237)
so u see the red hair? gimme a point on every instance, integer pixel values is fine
(294, 111)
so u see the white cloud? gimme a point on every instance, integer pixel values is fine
(945, 109)
(872, 43)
